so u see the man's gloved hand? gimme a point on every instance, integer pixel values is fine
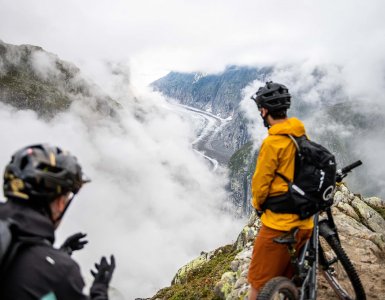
(74, 242)
(103, 273)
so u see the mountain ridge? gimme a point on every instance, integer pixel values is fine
(33, 79)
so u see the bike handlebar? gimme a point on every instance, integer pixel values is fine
(341, 173)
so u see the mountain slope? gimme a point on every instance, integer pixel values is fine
(31, 78)
(219, 93)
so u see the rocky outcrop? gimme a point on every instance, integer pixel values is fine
(361, 226)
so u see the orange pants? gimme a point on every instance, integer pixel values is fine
(270, 259)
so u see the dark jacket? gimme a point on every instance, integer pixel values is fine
(40, 270)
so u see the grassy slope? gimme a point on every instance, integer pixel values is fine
(199, 283)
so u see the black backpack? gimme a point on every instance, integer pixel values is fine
(314, 181)
(11, 243)
(5, 240)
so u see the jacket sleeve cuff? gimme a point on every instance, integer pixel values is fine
(99, 291)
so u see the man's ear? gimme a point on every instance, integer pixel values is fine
(62, 202)
(264, 112)
(58, 204)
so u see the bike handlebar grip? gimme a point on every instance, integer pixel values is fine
(351, 167)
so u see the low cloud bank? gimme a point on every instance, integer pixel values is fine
(153, 202)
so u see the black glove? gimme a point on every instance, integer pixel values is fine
(103, 273)
(74, 242)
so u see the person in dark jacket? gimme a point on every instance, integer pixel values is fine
(40, 182)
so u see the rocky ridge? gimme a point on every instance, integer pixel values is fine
(361, 225)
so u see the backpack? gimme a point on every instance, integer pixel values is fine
(5, 239)
(314, 181)
(11, 243)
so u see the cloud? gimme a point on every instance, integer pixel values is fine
(153, 201)
(206, 36)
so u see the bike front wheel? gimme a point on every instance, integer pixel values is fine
(278, 288)
(338, 270)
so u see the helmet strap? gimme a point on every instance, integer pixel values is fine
(265, 123)
(58, 219)
(65, 209)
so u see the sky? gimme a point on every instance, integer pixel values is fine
(153, 201)
(154, 37)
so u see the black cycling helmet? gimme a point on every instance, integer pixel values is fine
(41, 173)
(273, 96)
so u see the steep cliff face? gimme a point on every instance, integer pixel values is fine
(219, 94)
(361, 225)
(241, 167)
(31, 78)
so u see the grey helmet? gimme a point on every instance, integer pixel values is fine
(273, 96)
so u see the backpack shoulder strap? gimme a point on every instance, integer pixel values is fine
(294, 139)
(295, 143)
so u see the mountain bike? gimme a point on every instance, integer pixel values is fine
(322, 252)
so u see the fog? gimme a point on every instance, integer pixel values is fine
(153, 202)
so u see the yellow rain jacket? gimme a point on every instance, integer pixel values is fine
(277, 154)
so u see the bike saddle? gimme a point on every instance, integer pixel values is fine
(287, 238)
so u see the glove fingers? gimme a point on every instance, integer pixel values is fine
(78, 235)
(103, 262)
(81, 245)
(104, 270)
(112, 259)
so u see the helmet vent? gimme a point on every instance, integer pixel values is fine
(48, 168)
(24, 162)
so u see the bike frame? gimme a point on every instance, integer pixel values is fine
(312, 255)
(306, 265)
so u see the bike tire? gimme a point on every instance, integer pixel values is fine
(278, 287)
(339, 284)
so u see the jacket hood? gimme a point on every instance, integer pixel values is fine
(291, 126)
(28, 221)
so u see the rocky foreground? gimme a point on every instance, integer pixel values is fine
(222, 273)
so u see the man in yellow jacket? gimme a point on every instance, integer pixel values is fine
(277, 155)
